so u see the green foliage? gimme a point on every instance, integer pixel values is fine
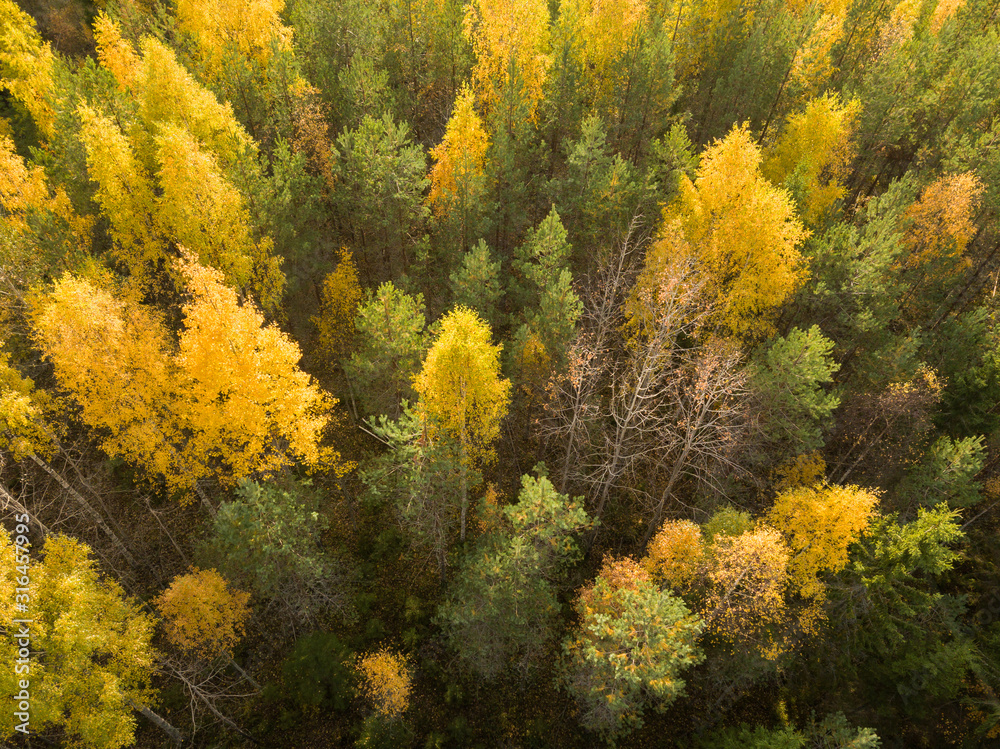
(628, 652)
(380, 177)
(789, 382)
(757, 737)
(543, 289)
(895, 636)
(316, 676)
(600, 192)
(833, 732)
(726, 522)
(421, 479)
(267, 540)
(946, 474)
(390, 343)
(476, 283)
(378, 733)
(502, 610)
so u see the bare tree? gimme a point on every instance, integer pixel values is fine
(650, 397)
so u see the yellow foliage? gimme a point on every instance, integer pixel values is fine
(700, 27)
(813, 66)
(341, 297)
(249, 27)
(202, 614)
(814, 150)
(24, 194)
(24, 191)
(112, 355)
(617, 573)
(460, 387)
(898, 29)
(248, 405)
(23, 430)
(802, 470)
(230, 402)
(459, 160)
(91, 655)
(744, 232)
(125, 193)
(675, 555)
(534, 365)
(386, 680)
(200, 210)
(26, 65)
(169, 95)
(115, 54)
(820, 523)
(940, 224)
(509, 38)
(748, 577)
(944, 10)
(606, 31)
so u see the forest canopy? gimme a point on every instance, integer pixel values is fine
(477, 373)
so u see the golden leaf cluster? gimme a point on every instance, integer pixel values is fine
(202, 614)
(387, 681)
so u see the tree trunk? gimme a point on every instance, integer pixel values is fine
(172, 732)
(88, 507)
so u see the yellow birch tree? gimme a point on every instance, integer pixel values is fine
(460, 389)
(743, 232)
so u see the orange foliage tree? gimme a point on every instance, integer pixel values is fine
(386, 681)
(202, 614)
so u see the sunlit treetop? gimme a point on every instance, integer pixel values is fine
(460, 387)
(605, 31)
(126, 195)
(460, 158)
(812, 154)
(744, 232)
(247, 27)
(92, 660)
(169, 94)
(115, 54)
(386, 681)
(511, 41)
(820, 522)
(23, 425)
(941, 222)
(250, 406)
(202, 614)
(26, 65)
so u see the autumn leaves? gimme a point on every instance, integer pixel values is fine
(226, 401)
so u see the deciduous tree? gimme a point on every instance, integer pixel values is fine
(203, 614)
(91, 657)
(460, 389)
(820, 523)
(742, 231)
(458, 177)
(510, 39)
(811, 155)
